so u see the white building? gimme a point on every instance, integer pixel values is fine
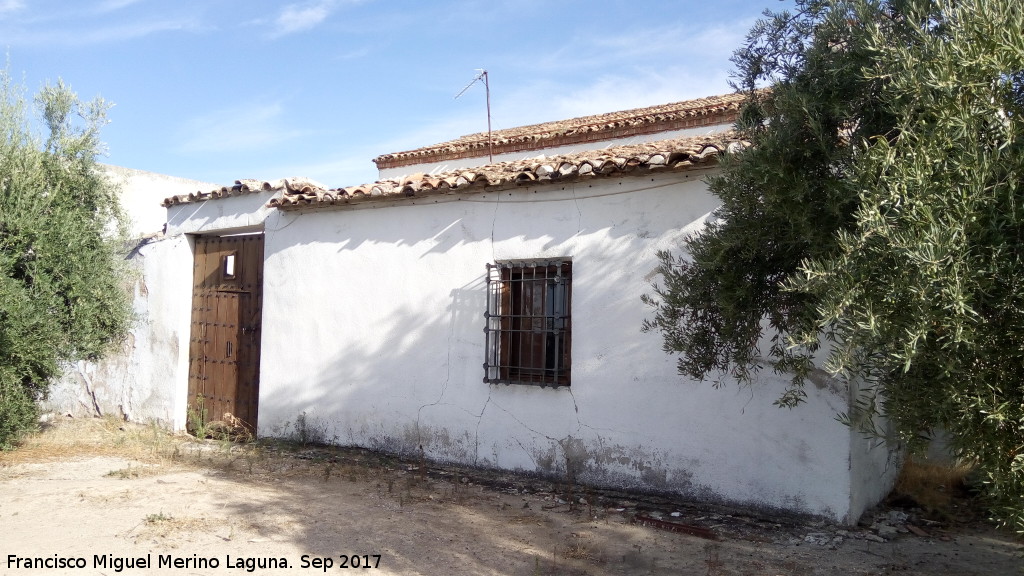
(489, 314)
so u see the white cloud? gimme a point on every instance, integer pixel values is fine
(251, 126)
(129, 31)
(696, 48)
(642, 88)
(354, 54)
(98, 35)
(112, 5)
(623, 88)
(676, 41)
(10, 6)
(347, 168)
(302, 16)
(594, 74)
(295, 17)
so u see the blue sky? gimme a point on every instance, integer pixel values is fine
(222, 89)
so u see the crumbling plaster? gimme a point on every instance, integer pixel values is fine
(141, 379)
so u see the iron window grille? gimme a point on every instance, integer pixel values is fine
(527, 322)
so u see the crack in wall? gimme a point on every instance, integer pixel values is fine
(494, 222)
(476, 431)
(570, 447)
(529, 455)
(609, 430)
(521, 423)
(576, 409)
(444, 385)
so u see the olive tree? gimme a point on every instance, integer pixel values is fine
(876, 223)
(62, 289)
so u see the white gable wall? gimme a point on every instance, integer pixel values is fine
(373, 336)
(142, 192)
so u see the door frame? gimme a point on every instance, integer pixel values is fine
(225, 328)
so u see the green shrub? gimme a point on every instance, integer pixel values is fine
(62, 274)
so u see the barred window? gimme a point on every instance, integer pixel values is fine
(527, 322)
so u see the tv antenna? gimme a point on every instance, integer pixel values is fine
(482, 77)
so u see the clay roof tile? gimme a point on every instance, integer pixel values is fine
(651, 120)
(671, 154)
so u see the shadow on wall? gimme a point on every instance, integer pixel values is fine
(372, 392)
(401, 371)
(415, 385)
(667, 201)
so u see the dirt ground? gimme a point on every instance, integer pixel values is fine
(110, 498)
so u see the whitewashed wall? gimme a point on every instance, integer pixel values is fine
(143, 192)
(141, 380)
(373, 336)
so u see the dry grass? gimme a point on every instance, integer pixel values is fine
(148, 449)
(934, 487)
(526, 519)
(577, 551)
(135, 471)
(145, 450)
(162, 526)
(73, 438)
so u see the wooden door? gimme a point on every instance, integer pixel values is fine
(224, 349)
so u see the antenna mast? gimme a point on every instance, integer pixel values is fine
(482, 76)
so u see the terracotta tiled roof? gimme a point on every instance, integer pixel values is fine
(677, 116)
(664, 155)
(246, 186)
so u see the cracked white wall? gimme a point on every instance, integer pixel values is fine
(373, 336)
(145, 379)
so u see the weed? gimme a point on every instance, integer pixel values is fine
(423, 464)
(158, 518)
(458, 492)
(124, 473)
(309, 431)
(196, 418)
(590, 503)
(224, 443)
(253, 456)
